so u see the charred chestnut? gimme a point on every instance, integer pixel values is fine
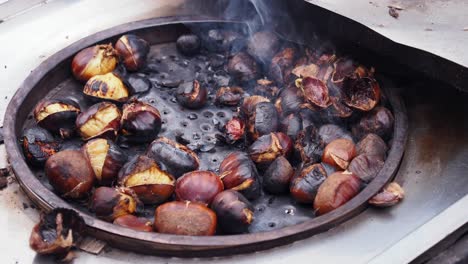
(188, 44)
(243, 67)
(106, 159)
(372, 144)
(134, 222)
(133, 51)
(315, 91)
(390, 195)
(329, 132)
(281, 64)
(263, 45)
(234, 212)
(192, 95)
(291, 125)
(289, 100)
(234, 130)
(57, 116)
(219, 40)
(239, 173)
(150, 183)
(101, 119)
(38, 145)
(339, 153)
(308, 147)
(277, 177)
(366, 166)
(141, 122)
(137, 83)
(265, 87)
(70, 174)
(108, 87)
(185, 218)
(305, 185)
(198, 186)
(379, 121)
(110, 203)
(95, 60)
(262, 121)
(268, 147)
(345, 68)
(336, 190)
(362, 93)
(176, 158)
(230, 96)
(338, 108)
(249, 103)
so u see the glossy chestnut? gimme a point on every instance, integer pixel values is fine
(372, 144)
(141, 122)
(281, 64)
(95, 60)
(291, 125)
(38, 145)
(134, 222)
(108, 86)
(390, 195)
(305, 185)
(378, 121)
(188, 44)
(110, 203)
(235, 213)
(339, 153)
(277, 177)
(57, 116)
(234, 130)
(133, 51)
(192, 95)
(243, 67)
(268, 147)
(362, 93)
(230, 96)
(198, 186)
(262, 121)
(100, 120)
(366, 166)
(263, 45)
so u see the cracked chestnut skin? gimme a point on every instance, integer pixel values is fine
(362, 93)
(133, 51)
(277, 177)
(281, 64)
(38, 145)
(151, 184)
(192, 95)
(315, 91)
(70, 174)
(185, 218)
(198, 186)
(366, 166)
(95, 60)
(108, 87)
(141, 122)
(235, 213)
(308, 147)
(249, 104)
(268, 147)
(176, 158)
(230, 96)
(305, 185)
(238, 172)
(110, 203)
(339, 153)
(262, 121)
(134, 222)
(289, 100)
(243, 67)
(99, 120)
(57, 115)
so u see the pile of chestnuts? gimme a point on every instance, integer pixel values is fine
(306, 123)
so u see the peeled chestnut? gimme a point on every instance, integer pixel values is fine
(362, 93)
(38, 145)
(230, 96)
(336, 190)
(176, 158)
(315, 91)
(198, 186)
(291, 125)
(305, 185)
(234, 130)
(308, 146)
(263, 45)
(106, 159)
(265, 87)
(141, 122)
(133, 51)
(390, 195)
(191, 95)
(262, 121)
(107, 86)
(234, 212)
(101, 119)
(339, 153)
(281, 64)
(243, 67)
(329, 132)
(249, 103)
(110, 203)
(268, 147)
(185, 218)
(188, 44)
(70, 174)
(57, 116)
(366, 166)
(239, 173)
(277, 177)
(372, 144)
(289, 100)
(134, 222)
(378, 121)
(150, 183)
(95, 60)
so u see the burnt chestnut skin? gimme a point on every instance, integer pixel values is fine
(235, 213)
(134, 222)
(141, 122)
(95, 60)
(109, 87)
(188, 44)
(133, 51)
(38, 145)
(57, 116)
(198, 186)
(230, 96)
(110, 203)
(281, 65)
(361, 93)
(268, 147)
(305, 185)
(100, 120)
(192, 95)
(378, 121)
(263, 120)
(185, 218)
(243, 67)
(277, 177)
(291, 125)
(308, 147)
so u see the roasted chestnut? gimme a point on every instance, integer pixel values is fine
(143, 175)
(265, 87)
(239, 173)
(345, 68)
(110, 203)
(305, 185)
(106, 159)
(378, 121)
(185, 218)
(277, 177)
(362, 93)
(338, 108)
(315, 91)
(137, 83)
(372, 144)
(262, 121)
(366, 166)
(336, 190)
(268, 147)
(192, 95)
(134, 222)
(263, 45)
(289, 100)
(101, 119)
(188, 44)
(38, 145)
(329, 132)
(141, 122)
(291, 125)
(57, 116)
(390, 195)
(220, 40)
(234, 130)
(308, 147)
(234, 212)
(176, 158)
(249, 103)
(243, 67)
(281, 64)
(70, 174)
(339, 153)
(95, 60)
(108, 87)
(230, 96)
(198, 186)
(133, 51)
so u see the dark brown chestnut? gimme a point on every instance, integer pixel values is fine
(234, 212)
(230, 96)
(57, 116)
(38, 145)
(291, 125)
(70, 174)
(378, 121)
(151, 184)
(133, 51)
(305, 185)
(100, 120)
(134, 222)
(329, 132)
(262, 121)
(372, 144)
(234, 130)
(249, 103)
(110, 203)
(366, 166)
(390, 195)
(281, 64)
(338, 108)
(176, 158)
(308, 147)
(238, 172)
(95, 60)
(220, 40)
(108, 86)
(263, 45)
(198, 186)
(362, 93)
(265, 87)
(243, 67)
(277, 177)
(315, 91)
(185, 218)
(192, 95)
(339, 153)
(106, 159)
(336, 190)
(188, 44)
(268, 147)
(289, 100)
(141, 122)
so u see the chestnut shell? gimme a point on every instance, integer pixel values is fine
(99, 120)
(92, 61)
(305, 185)
(277, 177)
(192, 95)
(110, 203)
(235, 213)
(141, 122)
(263, 120)
(108, 87)
(268, 147)
(243, 67)
(198, 186)
(230, 96)
(57, 116)
(133, 51)
(378, 121)
(38, 145)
